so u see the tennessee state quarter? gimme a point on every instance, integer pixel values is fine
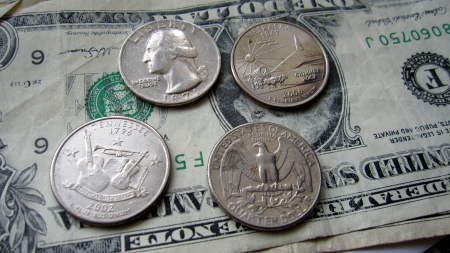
(110, 170)
(279, 64)
(264, 176)
(169, 62)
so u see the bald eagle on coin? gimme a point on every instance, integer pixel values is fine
(265, 167)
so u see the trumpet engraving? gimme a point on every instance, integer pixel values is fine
(117, 151)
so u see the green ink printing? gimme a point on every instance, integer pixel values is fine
(109, 96)
(406, 37)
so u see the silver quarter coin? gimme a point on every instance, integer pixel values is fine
(169, 62)
(264, 176)
(110, 170)
(279, 64)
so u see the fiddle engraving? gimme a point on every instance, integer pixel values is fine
(123, 180)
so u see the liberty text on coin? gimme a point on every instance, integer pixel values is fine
(169, 62)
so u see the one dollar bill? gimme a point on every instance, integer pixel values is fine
(381, 128)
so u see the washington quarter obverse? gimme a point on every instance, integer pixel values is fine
(110, 170)
(264, 176)
(169, 62)
(279, 64)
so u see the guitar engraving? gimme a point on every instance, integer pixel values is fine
(92, 175)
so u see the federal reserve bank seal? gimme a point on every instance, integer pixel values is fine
(427, 76)
(109, 96)
(264, 175)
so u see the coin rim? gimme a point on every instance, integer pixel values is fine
(280, 105)
(213, 193)
(149, 100)
(159, 194)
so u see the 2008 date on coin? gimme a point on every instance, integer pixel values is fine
(279, 64)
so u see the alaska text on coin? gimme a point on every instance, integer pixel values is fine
(279, 64)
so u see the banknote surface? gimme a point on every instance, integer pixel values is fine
(432, 228)
(381, 128)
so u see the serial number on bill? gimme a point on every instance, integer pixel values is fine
(405, 37)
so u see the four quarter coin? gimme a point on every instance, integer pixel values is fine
(279, 64)
(110, 170)
(264, 176)
(169, 62)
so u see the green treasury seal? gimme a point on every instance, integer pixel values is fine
(109, 96)
(427, 76)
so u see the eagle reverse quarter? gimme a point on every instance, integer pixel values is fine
(264, 175)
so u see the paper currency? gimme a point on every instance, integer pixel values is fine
(433, 228)
(381, 126)
(5, 6)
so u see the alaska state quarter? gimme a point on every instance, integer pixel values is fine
(169, 62)
(279, 64)
(110, 170)
(264, 176)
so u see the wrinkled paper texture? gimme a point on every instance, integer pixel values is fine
(427, 227)
(381, 127)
